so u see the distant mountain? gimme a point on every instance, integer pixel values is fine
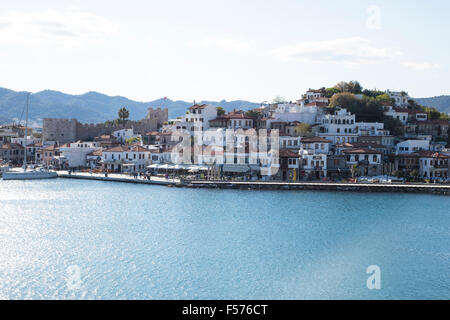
(442, 103)
(91, 107)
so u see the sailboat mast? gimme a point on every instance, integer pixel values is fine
(26, 134)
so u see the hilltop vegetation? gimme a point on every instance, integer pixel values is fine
(442, 103)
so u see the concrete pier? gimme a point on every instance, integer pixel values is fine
(266, 185)
(118, 178)
(325, 186)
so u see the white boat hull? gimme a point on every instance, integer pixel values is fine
(28, 175)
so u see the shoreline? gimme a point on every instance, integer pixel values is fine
(267, 185)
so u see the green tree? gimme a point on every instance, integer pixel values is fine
(352, 87)
(329, 92)
(372, 93)
(397, 173)
(254, 114)
(278, 99)
(133, 140)
(395, 126)
(414, 173)
(384, 98)
(220, 111)
(355, 171)
(344, 100)
(124, 114)
(303, 129)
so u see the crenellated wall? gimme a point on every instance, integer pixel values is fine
(70, 130)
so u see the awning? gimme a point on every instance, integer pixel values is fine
(235, 168)
(153, 166)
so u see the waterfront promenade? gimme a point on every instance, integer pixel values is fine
(266, 185)
(117, 178)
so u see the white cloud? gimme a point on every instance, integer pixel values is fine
(229, 44)
(354, 50)
(69, 27)
(421, 66)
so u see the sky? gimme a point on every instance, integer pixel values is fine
(213, 50)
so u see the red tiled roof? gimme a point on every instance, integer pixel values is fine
(361, 151)
(436, 121)
(12, 146)
(233, 116)
(152, 133)
(409, 111)
(97, 153)
(432, 154)
(315, 90)
(51, 148)
(286, 153)
(198, 106)
(407, 155)
(37, 144)
(317, 104)
(135, 148)
(355, 145)
(314, 140)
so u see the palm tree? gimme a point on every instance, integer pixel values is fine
(123, 114)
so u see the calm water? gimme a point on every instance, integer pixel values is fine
(85, 239)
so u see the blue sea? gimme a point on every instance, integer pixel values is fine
(74, 239)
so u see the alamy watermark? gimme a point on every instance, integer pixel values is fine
(374, 280)
(73, 279)
(220, 147)
(374, 17)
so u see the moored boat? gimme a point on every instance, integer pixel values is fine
(24, 173)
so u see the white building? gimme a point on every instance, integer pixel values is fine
(291, 112)
(371, 129)
(314, 95)
(433, 165)
(398, 114)
(411, 146)
(367, 161)
(126, 158)
(76, 153)
(232, 121)
(7, 134)
(316, 145)
(94, 159)
(289, 142)
(197, 116)
(314, 152)
(401, 98)
(339, 127)
(124, 134)
(21, 141)
(314, 166)
(404, 114)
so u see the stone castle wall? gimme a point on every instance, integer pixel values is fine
(70, 130)
(63, 130)
(162, 115)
